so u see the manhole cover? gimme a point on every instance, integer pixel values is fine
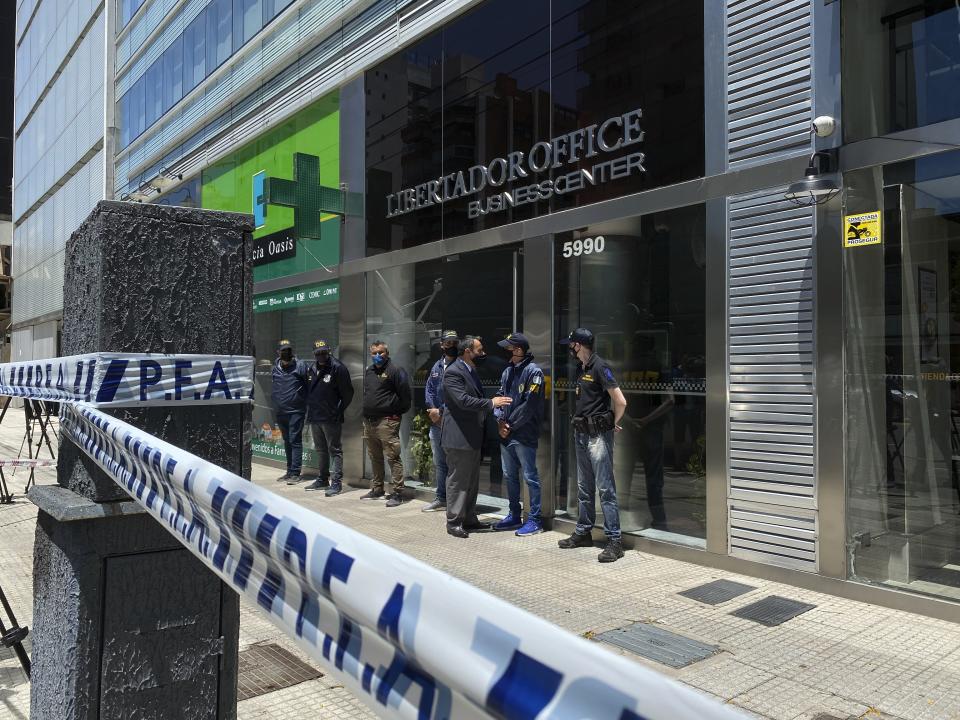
(773, 610)
(658, 644)
(716, 592)
(265, 668)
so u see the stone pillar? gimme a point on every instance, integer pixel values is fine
(127, 623)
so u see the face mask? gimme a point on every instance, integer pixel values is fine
(378, 358)
(573, 353)
(450, 351)
(323, 358)
(479, 359)
(286, 355)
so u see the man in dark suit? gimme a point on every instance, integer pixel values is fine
(462, 436)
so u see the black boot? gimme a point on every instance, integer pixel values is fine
(612, 552)
(576, 540)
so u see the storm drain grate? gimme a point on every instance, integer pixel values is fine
(716, 592)
(773, 611)
(265, 668)
(662, 646)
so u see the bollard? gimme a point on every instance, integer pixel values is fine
(127, 623)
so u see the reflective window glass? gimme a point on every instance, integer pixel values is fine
(154, 91)
(901, 65)
(639, 284)
(219, 33)
(247, 21)
(194, 53)
(173, 74)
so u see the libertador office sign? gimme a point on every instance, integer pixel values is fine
(595, 141)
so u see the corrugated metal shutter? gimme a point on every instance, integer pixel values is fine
(773, 535)
(769, 71)
(772, 449)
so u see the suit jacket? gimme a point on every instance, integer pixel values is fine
(466, 409)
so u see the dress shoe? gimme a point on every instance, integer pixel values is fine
(457, 531)
(477, 526)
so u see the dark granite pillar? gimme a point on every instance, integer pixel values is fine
(127, 623)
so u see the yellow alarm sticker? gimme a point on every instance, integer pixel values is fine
(862, 229)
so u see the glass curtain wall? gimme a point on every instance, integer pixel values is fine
(639, 284)
(903, 376)
(905, 66)
(408, 306)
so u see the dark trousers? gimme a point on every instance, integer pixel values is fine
(291, 427)
(326, 439)
(463, 486)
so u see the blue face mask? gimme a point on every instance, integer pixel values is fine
(378, 358)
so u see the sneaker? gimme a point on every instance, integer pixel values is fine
(285, 476)
(435, 506)
(612, 552)
(372, 495)
(295, 479)
(576, 540)
(530, 527)
(335, 489)
(316, 485)
(394, 500)
(510, 522)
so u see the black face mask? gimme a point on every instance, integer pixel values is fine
(450, 352)
(479, 359)
(322, 359)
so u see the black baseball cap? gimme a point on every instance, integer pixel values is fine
(580, 335)
(516, 340)
(285, 345)
(449, 335)
(320, 346)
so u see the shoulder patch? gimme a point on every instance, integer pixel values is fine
(608, 373)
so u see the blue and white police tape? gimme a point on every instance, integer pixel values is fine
(408, 639)
(130, 379)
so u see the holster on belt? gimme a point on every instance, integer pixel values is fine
(594, 424)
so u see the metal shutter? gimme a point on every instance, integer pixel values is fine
(769, 79)
(772, 452)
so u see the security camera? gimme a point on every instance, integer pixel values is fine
(824, 126)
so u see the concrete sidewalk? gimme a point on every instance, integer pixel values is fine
(842, 659)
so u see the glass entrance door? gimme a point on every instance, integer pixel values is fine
(409, 306)
(903, 381)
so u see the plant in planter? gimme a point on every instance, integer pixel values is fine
(420, 447)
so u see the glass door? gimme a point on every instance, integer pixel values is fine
(903, 382)
(409, 306)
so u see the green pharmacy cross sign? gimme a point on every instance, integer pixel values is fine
(308, 198)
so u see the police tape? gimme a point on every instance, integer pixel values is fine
(408, 639)
(129, 379)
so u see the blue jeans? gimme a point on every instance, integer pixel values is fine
(439, 463)
(515, 457)
(291, 427)
(595, 472)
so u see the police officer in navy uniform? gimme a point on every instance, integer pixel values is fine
(329, 392)
(433, 399)
(594, 425)
(288, 393)
(519, 430)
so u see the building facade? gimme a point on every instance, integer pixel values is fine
(60, 164)
(632, 167)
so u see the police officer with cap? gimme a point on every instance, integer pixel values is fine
(433, 397)
(594, 425)
(519, 430)
(329, 392)
(288, 393)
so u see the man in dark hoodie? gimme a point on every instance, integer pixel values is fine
(386, 397)
(289, 403)
(519, 427)
(329, 392)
